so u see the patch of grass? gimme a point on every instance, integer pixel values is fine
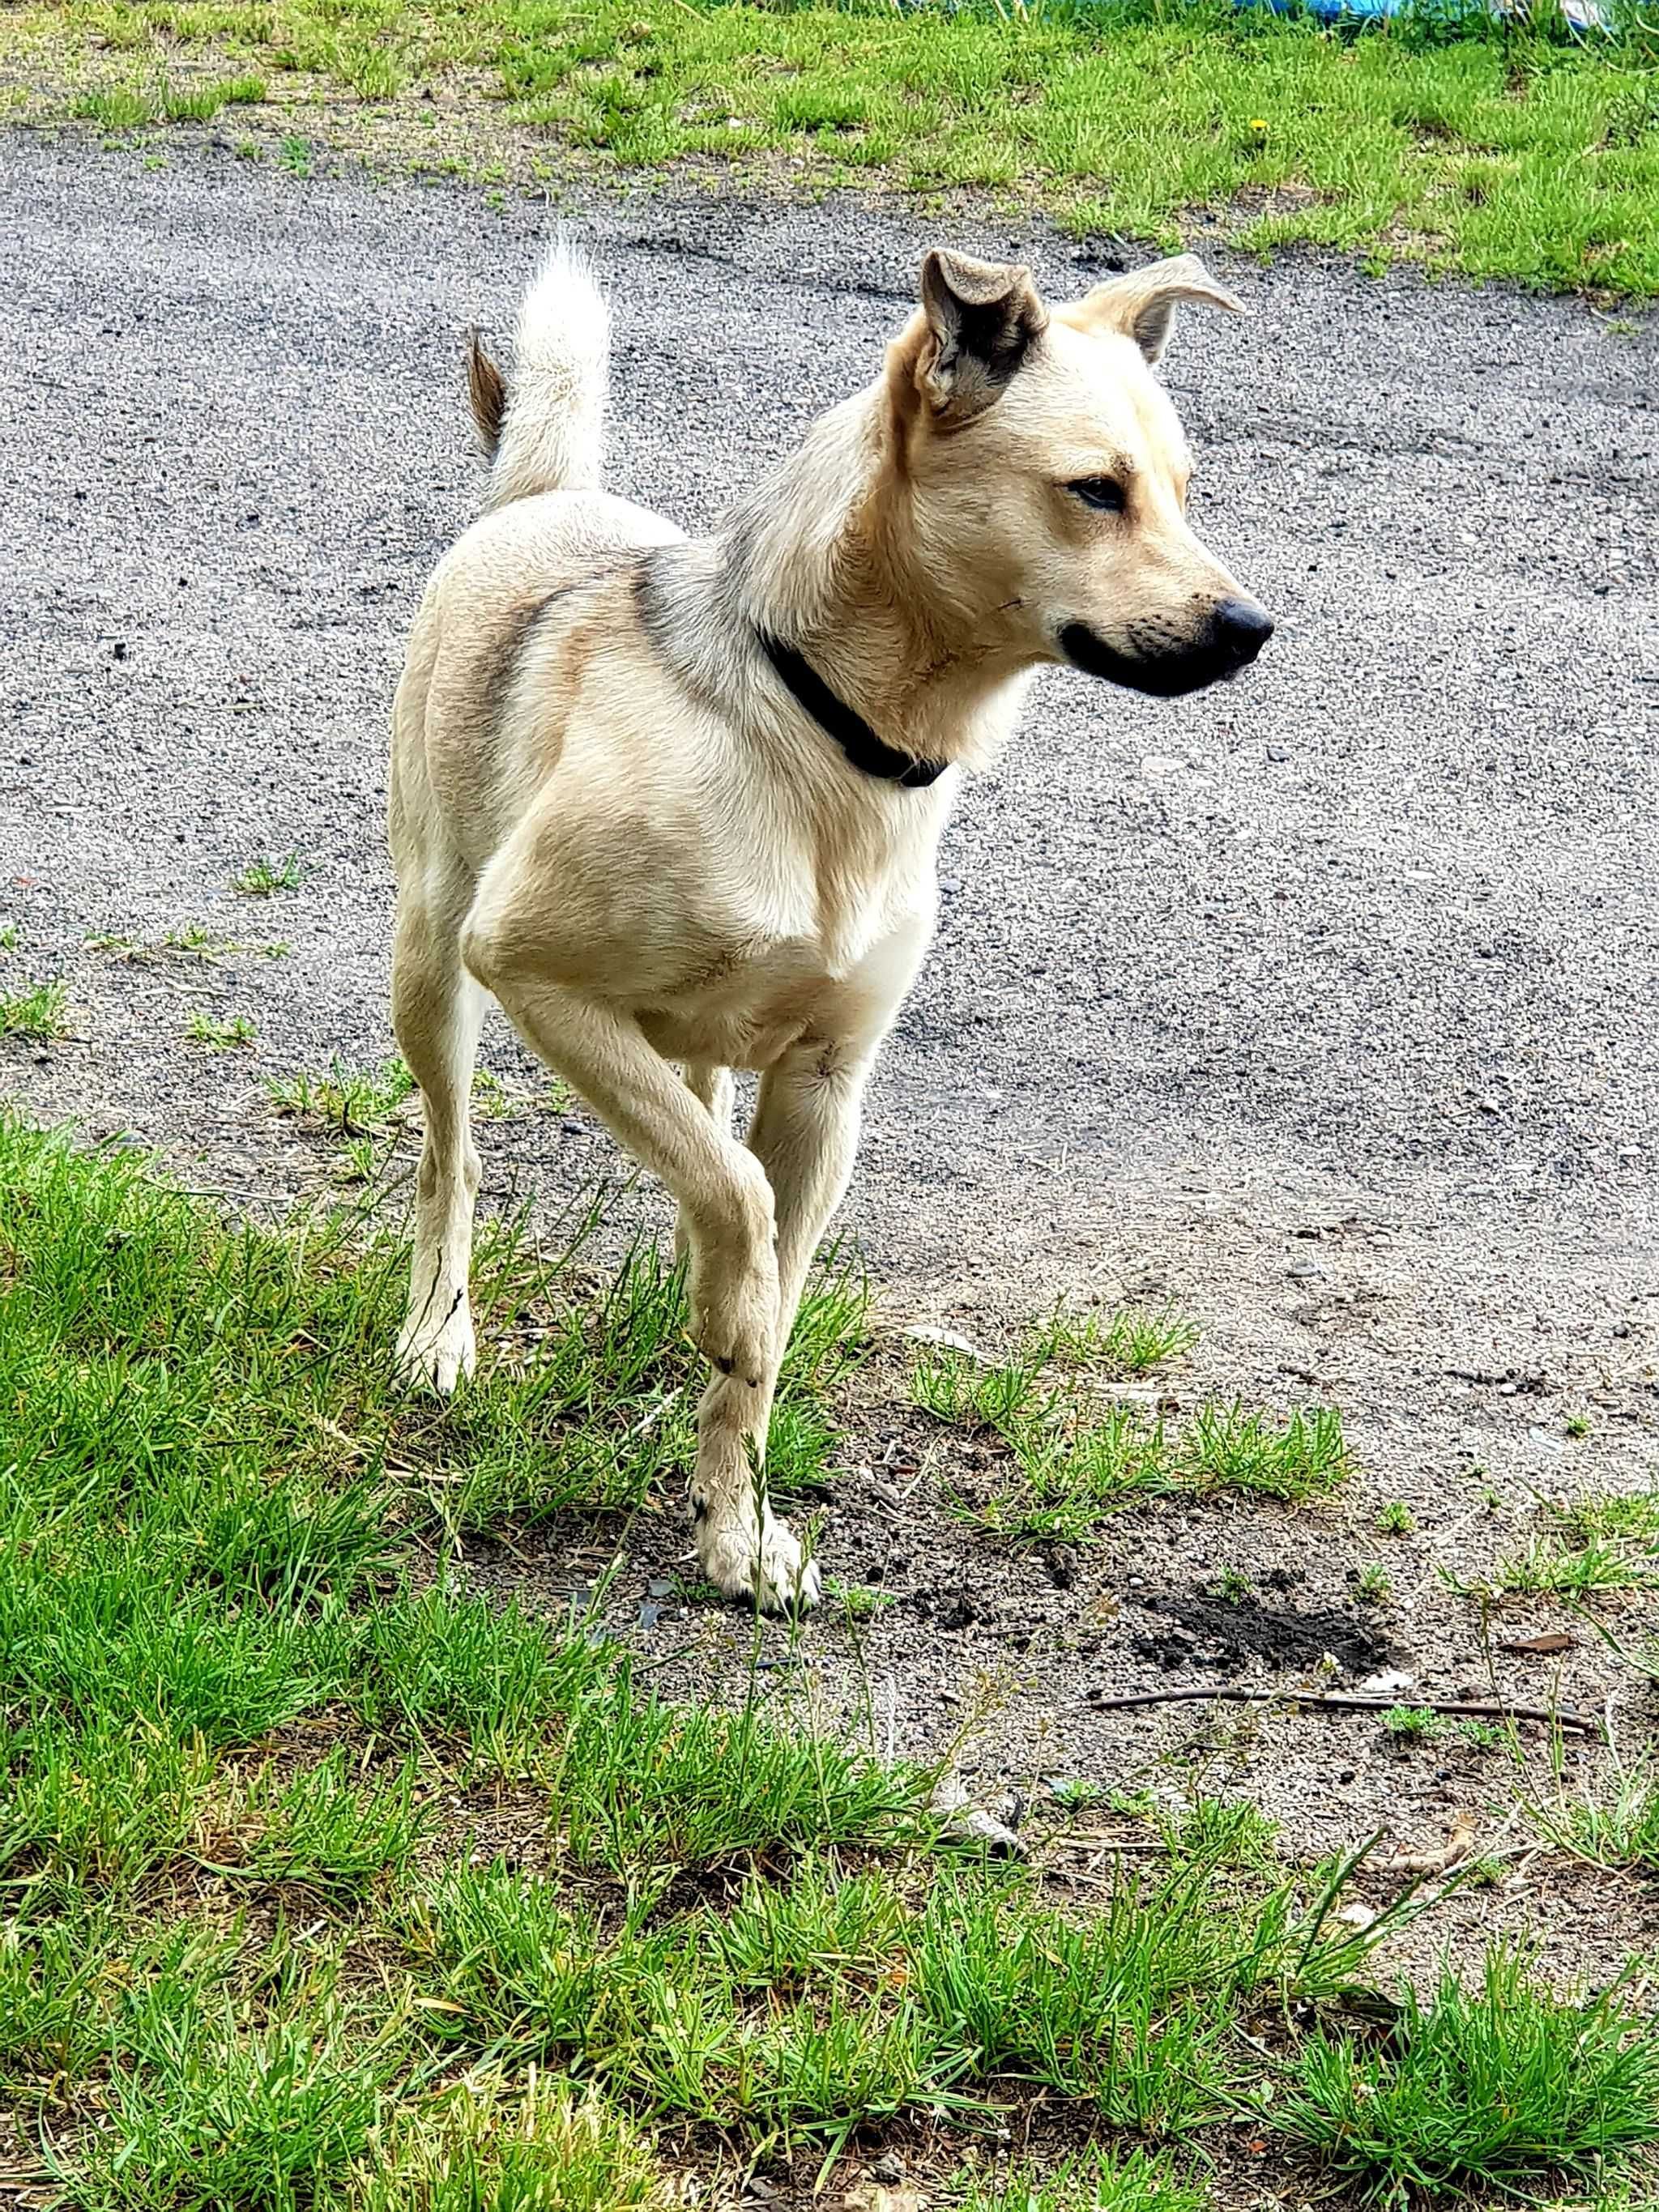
(311, 1870)
(1396, 1519)
(1373, 1586)
(1132, 2181)
(120, 108)
(1616, 1824)
(1499, 152)
(8, 937)
(532, 2147)
(1129, 1341)
(1545, 1570)
(336, 1831)
(1629, 1517)
(40, 1011)
(821, 1996)
(1405, 1724)
(1412, 1724)
(212, 2115)
(1608, 1540)
(856, 1602)
(346, 1102)
(1506, 2088)
(1078, 1455)
(262, 877)
(236, 1032)
(1234, 1587)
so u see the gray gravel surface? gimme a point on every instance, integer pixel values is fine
(1379, 918)
(1325, 1002)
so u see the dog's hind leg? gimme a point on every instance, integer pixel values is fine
(437, 1011)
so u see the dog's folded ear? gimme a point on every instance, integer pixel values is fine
(981, 318)
(1142, 305)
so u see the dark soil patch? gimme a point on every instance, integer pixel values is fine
(1216, 1632)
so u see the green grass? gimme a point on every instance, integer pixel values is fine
(1606, 1541)
(236, 1032)
(1405, 1724)
(346, 1102)
(1613, 1824)
(1373, 1585)
(1130, 2181)
(262, 877)
(334, 1884)
(1505, 2087)
(1076, 1454)
(1499, 152)
(40, 1011)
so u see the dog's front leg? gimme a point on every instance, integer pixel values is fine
(721, 1188)
(805, 1134)
(725, 1204)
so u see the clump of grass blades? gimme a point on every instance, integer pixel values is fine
(1606, 1541)
(210, 2117)
(1506, 2088)
(38, 1012)
(831, 1996)
(1135, 2181)
(1615, 1825)
(535, 2148)
(349, 1102)
(1078, 1458)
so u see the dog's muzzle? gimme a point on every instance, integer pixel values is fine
(1236, 633)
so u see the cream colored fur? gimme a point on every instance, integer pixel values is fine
(607, 811)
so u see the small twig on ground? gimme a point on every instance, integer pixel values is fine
(1340, 1701)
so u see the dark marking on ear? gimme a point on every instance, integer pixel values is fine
(983, 317)
(486, 391)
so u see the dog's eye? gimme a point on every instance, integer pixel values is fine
(1105, 493)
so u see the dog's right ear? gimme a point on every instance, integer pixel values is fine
(981, 319)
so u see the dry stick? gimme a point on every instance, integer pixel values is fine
(1339, 1701)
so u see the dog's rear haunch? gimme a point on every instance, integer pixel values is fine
(675, 801)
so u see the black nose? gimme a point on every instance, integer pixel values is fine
(1240, 628)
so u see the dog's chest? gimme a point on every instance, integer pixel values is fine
(768, 987)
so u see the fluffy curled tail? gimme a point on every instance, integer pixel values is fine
(546, 432)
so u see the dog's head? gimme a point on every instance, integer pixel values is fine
(1047, 473)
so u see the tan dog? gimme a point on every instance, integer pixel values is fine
(677, 800)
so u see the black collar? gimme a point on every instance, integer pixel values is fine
(862, 747)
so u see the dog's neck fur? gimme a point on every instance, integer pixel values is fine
(817, 554)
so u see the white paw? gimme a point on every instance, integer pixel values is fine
(441, 1355)
(766, 1567)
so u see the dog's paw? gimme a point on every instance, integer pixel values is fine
(440, 1356)
(765, 1567)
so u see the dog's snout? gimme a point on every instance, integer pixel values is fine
(1240, 629)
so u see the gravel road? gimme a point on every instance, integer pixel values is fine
(1371, 934)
